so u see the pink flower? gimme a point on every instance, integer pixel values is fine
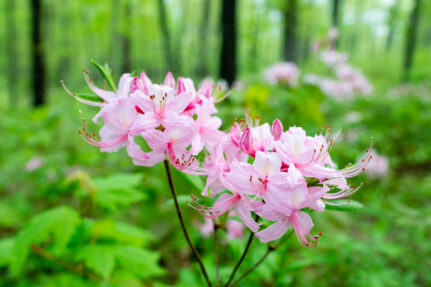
(175, 121)
(207, 228)
(333, 58)
(235, 229)
(283, 73)
(378, 166)
(33, 164)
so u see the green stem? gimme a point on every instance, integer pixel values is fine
(250, 239)
(183, 226)
(269, 250)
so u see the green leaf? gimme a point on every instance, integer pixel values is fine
(6, 248)
(121, 232)
(193, 180)
(106, 73)
(344, 205)
(99, 258)
(89, 97)
(118, 181)
(141, 262)
(60, 222)
(118, 191)
(63, 280)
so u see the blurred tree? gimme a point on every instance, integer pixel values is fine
(335, 12)
(114, 38)
(165, 35)
(202, 69)
(410, 41)
(12, 54)
(38, 54)
(393, 18)
(290, 11)
(228, 61)
(126, 37)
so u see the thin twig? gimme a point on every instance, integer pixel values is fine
(269, 250)
(77, 269)
(183, 226)
(250, 239)
(216, 251)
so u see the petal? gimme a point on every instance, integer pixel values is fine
(124, 85)
(179, 103)
(243, 210)
(277, 129)
(267, 163)
(274, 231)
(169, 80)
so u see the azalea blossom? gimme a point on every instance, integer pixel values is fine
(268, 172)
(175, 121)
(283, 73)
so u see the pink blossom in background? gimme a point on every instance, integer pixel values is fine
(33, 164)
(207, 228)
(283, 73)
(235, 229)
(333, 58)
(378, 166)
(348, 80)
(333, 34)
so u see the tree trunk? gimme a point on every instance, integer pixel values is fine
(392, 20)
(289, 31)
(38, 54)
(228, 65)
(114, 38)
(126, 35)
(165, 34)
(11, 53)
(411, 36)
(204, 30)
(335, 12)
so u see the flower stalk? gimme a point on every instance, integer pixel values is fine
(183, 226)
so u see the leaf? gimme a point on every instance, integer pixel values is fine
(89, 97)
(141, 262)
(344, 205)
(63, 280)
(6, 248)
(60, 222)
(114, 199)
(121, 232)
(106, 73)
(118, 191)
(99, 258)
(118, 181)
(193, 180)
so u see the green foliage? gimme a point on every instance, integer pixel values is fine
(344, 205)
(106, 73)
(60, 223)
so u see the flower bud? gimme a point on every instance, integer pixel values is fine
(277, 129)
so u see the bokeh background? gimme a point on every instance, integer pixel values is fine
(72, 216)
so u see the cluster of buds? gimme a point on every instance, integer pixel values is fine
(252, 169)
(348, 80)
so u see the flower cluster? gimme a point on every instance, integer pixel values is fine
(348, 80)
(275, 174)
(251, 168)
(283, 73)
(175, 121)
